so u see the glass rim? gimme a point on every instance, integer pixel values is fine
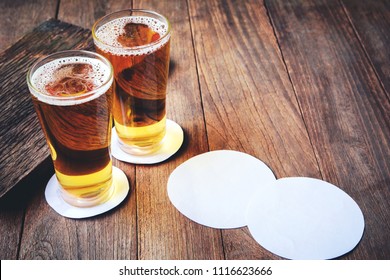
(63, 54)
(163, 37)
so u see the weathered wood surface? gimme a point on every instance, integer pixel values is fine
(248, 100)
(19, 17)
(370, 20)
(23, 146)
(299, 84)
(163, 232)
(346, 111)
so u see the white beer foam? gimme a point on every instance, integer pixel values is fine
(46, 74)
(108, 34)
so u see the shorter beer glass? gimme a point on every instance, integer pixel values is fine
(72, 96)
(137, 44)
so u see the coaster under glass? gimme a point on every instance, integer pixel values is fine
(170, 144)
(54, 198)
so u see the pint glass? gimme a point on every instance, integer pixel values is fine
(72, 96)
(137, 42)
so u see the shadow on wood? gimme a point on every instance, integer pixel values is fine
(20, 195)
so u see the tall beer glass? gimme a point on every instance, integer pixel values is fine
(72, 96)
(137, 44)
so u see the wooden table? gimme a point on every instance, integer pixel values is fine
(303, 85)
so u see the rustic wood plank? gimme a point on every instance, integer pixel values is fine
(163, 232)
(85, 13)
(23, 144)
(248, 100)
(19, 17)
(344, 107)
(11, 221)
(371, 20)
(10, 232)
(47, 235)
(156, 216)
(242, 68)
(112, 235)
(12, 209)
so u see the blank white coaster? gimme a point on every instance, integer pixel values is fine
(214, 188)
(305, 218)
(171, 144)
(54, 198)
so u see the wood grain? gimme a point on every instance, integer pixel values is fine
(371, 22)
(23, 145)
(85, 13)
(44, 230)
(47, 235)
(344, 107)
(110, 236)
(302, 85)
(248, 100)
(114, 235)
(12, 209)
(163, 232)
(156, 217)
(19, 17)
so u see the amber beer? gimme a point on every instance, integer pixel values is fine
(136, 42)
(72, 96)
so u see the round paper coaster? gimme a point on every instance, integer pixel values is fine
(214, 188)
(171, 144)
(54, 199)
(305, 218)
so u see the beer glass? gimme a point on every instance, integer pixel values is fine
(72, 96)
(137, 43)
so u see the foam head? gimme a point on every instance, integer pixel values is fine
(132, 35)
(70, 80)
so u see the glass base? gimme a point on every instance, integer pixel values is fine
(88, 201)
(139, 150)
